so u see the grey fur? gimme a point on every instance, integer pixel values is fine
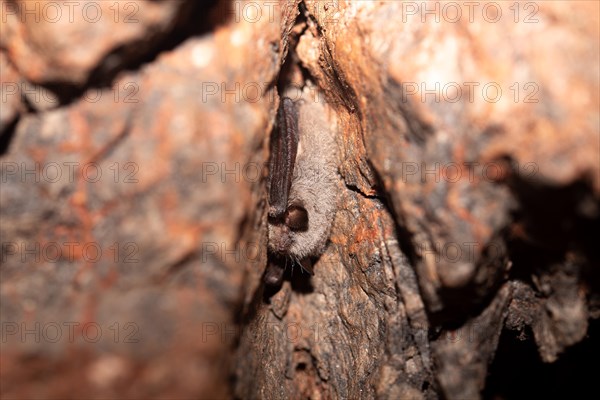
(314, 184)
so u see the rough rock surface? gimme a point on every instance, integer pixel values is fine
(130, 286)
(133, 197)
(52, 42)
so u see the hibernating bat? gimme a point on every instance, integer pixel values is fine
(303, 184)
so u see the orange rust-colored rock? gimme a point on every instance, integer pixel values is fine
(123, 199)
(462, 256)
(69, 42)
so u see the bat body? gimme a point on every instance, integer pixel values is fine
(303, 184)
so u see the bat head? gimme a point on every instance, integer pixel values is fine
(283, 227)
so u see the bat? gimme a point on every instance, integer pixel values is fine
(303, 176)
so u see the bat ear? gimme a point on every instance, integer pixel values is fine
(296, 218)
(284, 146)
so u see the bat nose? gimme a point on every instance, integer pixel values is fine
(284, 244)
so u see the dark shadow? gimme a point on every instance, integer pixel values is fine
(552, 223)
(195, 19)
(300, 280)
(7, 135)
(556, 222)
(518, 372)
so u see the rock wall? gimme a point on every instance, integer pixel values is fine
(134, 142)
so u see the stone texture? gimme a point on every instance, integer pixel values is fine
(464, 215)
(67, 42)
(466, 173)
(127, 171)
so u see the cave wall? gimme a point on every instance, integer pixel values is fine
(134, 139)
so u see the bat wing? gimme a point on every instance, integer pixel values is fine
(284, 146)
(273, 274)
(306, 265)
